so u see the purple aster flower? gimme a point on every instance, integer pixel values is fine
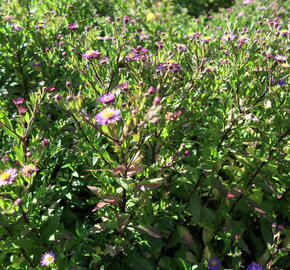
(107, 116)
(206, 39)
(40, 25)
(124, 86)
(171, 66)
(17, 27)
(284, 32)
(214, 263)
(106, 98)
(73, 26)
(254, 266)
(194, 35)
(280, 58)
(18, 101)
(228, 37)
(7, 176)
(181, 47)
(106, 38)
(91, 54)
(47, 258)
(143, 36)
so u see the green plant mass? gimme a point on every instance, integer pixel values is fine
(144, 135)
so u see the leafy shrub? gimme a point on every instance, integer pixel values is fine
(144, 140)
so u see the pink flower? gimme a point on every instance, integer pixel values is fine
(22, 110)
(18, 101)
(7, 177)
(106, 98)
(47, 258)
(91, 54)
(73, 26)
(280, 58)
(107, 116)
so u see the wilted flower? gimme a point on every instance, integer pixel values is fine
(106, 98)
(108, 115)
(7, 176)
(18, 101)
(28, 170)
(254, 266)
(47, 258)
(91, 54)
(214, 263)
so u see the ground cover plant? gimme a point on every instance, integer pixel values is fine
(135, 136)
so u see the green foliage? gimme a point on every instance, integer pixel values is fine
(135, 136)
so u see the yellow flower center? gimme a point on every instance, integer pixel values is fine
(214, 263)
(5, 176)
(49, 258)
(90, 53)
(108, 114)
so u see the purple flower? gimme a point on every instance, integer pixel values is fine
(284, 32)
(228, 37)
(124, 86)
(106, 98)
(91, 54)
(280, 58)
(137, 53)
(17, 27)
(18, 101)
(214, 263)
(181, 47)
(206, 39)
(281, 82)
(194, 35)
(254, 266)
(107, 116)
(7, 177)
(106, 38)
(73, 26)
(171, 66)
(47, 258)
(40, 25)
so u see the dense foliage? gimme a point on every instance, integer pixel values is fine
(147, 139)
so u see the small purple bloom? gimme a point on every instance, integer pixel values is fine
(124, 86)
(106, 98)
(254, 266)
(281, 82)
(171, 66)
(228, 37)
(7, 176)
(280, 58)
(17, 27)
(107, 116)
(18, 101)
(91, 54)
(181, 47)
(106, 38)
(73, 26)
(214, 263)
(47, 258)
